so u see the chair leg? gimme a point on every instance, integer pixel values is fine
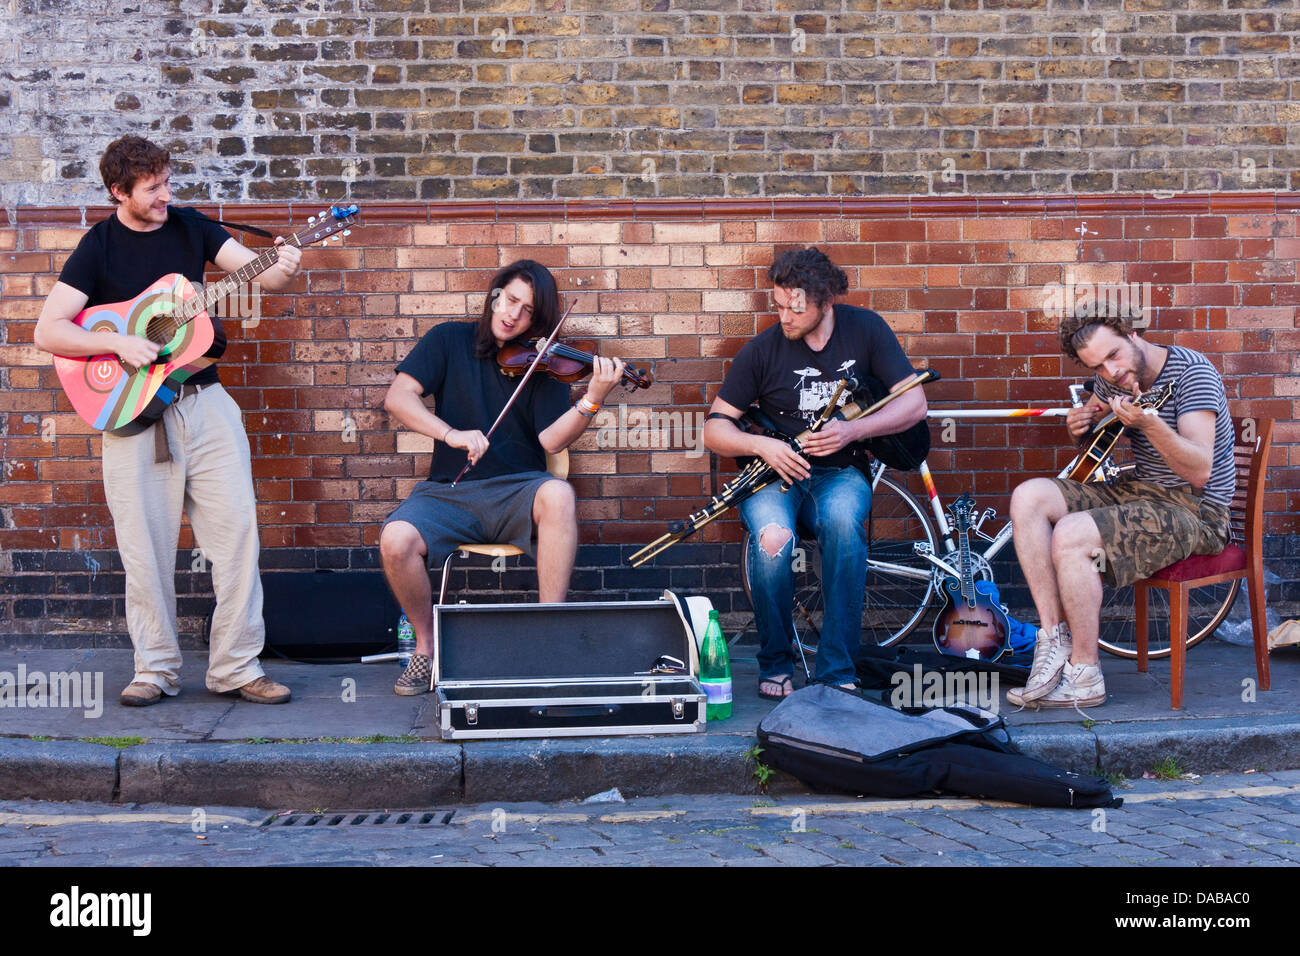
(1259, 621)
(1140, 606)
(446, 572)
(1177, 642)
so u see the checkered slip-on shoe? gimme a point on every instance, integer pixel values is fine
(417, 678)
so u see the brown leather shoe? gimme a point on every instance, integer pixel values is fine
(140, 694)
(265, 691)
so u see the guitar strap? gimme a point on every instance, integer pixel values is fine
(195, 214)
(161, 453)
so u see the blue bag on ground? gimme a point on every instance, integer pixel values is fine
(834, 739)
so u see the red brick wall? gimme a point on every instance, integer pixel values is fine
(676, 286)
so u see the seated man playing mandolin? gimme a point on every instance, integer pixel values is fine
(507, 496)
(1072, 535)
(196, 457)
(792, 370)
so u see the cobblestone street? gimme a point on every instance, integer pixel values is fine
(1220, 820)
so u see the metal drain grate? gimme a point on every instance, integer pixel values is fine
(346, 819)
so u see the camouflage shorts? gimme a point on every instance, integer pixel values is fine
(1145, 527)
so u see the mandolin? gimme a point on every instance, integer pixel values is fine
(114, 397)
(971, 624)
(1101, 441)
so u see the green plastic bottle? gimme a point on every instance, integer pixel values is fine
(715, 670)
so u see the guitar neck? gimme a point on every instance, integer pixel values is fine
(967, 576)
(214, 293)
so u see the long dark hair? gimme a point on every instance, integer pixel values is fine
(546, 303)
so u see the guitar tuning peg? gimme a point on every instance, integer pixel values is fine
(347, 232)
(311, 220)
(322, 213)
(336, 237)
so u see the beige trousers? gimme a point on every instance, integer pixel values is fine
(209, 477)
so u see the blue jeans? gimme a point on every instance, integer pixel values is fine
(833, 503)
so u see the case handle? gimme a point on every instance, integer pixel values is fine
(576, 710)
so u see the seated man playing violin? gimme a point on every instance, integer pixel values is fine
(507, 496)
(1072, 535)
(792, 370)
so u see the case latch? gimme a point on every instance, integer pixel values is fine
(679, 708)
(471, 714)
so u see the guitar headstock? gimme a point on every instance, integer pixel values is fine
(1157, 396)
(333, 223)
(961, 511)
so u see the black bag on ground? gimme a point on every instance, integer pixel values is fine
(833, 739)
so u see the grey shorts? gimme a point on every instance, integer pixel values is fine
(495, 510)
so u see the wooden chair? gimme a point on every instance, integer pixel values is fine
(1242, 558)
(557, 465)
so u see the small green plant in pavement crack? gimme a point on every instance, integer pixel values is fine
(762, 772)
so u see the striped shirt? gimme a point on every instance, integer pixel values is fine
(1199, 389)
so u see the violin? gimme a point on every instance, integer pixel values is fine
(562, 362)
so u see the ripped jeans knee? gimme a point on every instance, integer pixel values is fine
(773, 538)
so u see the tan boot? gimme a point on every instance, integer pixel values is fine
(265, 691)
(140, 694)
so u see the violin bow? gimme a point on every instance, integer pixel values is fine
(541, 354)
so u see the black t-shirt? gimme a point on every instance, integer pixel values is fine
(113, 263)
(469, 393)
(792, 383)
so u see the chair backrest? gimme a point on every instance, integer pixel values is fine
(1252, 438)
(558, 464)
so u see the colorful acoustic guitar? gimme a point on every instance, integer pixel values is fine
(114, 397)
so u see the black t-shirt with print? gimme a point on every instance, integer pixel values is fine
(114, 263)
(792, 383)
(469, 393)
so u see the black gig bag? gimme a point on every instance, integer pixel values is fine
(834, 739)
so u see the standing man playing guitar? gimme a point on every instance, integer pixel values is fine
(1071, 535)
(195, 458)
(792, 370)
(508, 497)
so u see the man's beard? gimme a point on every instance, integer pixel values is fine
(1139, 366)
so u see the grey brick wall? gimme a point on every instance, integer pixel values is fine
(466, 99)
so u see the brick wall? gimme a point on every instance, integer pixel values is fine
(471, 99)
(676, 287)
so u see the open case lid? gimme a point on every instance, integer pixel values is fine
(531, 642)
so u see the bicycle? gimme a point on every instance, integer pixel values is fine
(906, 563)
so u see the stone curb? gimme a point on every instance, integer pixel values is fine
(57, 770)
(298, 776)
(305, 776)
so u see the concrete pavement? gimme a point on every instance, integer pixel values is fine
(347, 741)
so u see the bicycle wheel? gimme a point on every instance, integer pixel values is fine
(899, 584)
(1206, 608)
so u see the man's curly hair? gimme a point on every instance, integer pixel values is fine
(811, 270)
(128, 160)
(1078, 328)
